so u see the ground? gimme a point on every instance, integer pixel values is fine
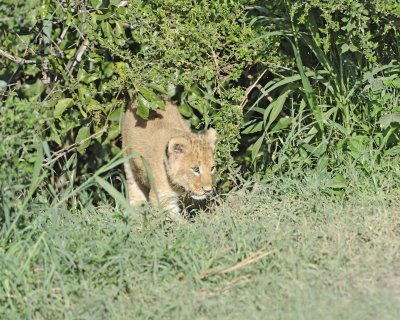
(284, 249)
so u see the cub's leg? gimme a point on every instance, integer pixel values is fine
(167, 200)
(135, 193)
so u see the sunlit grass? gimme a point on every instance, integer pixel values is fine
(287, 249)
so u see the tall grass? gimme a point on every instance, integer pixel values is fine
(290, 248)
(330, 107)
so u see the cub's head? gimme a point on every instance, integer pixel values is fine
(190, 163)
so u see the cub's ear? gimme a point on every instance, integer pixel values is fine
(211, 136)
(177, 146)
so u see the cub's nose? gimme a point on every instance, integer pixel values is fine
(207, 189)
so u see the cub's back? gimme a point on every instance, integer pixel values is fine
(150, 137)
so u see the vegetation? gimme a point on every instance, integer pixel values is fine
(305, 98)
(284, 251)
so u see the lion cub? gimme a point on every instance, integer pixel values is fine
(182, 162)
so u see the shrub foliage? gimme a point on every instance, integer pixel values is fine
(286, 83)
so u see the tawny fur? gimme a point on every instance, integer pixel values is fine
(173, 153)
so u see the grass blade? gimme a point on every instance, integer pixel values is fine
(256, 147)
(276, 107)
(310, 96)
(118, 197)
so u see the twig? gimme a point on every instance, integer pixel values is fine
(63, 33)
(249, 260)
(269, 98)
(217, 69)
(242, 264)
(45, 69)
(215, 59)
(78, 57)
(60, 153)
(219, 78)
(249, 89)
(16, 59)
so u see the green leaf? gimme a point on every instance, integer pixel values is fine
(199, 106)
(113, 132)
(62, 105)
(86, 77)
(387, 119)
(345, 47)
(310, 134)
(316, 151)
(36, 172)
(282, 124)
(33, 90)
(115, 115)
(119, 30)
(253, 127)
(185, 110)
(105, 26)
(395, 83)
(276, 108)
(96, 3)
(81, 75)
(337, 182)
(84, 93)
(393, 151)
(157, 88)
(109, 69)
(143, 108)
(82, 135)
(3, 85)
(255, 148)
(357, 146)
(54, 136)
(171, 90)
(194, 120)
(155, 102)
(31, 70)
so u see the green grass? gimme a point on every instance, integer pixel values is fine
(288, 249)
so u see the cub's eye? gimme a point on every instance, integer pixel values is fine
(212, 169)
(196, 170)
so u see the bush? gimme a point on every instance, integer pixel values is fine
(88, 62)
(286, 84)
